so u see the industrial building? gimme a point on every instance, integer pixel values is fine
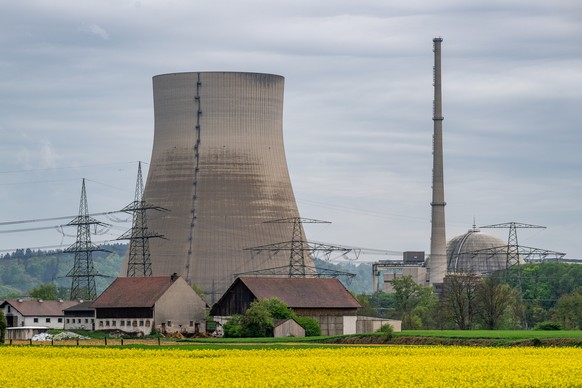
(218, 166)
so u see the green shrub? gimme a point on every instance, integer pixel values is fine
(233, 327)
(387, 330)
(548, 325)
(310, 325)
(3, 325)
(257, 321)
(277, 308)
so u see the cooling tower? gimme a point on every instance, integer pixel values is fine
(438, 258)
(218, 165)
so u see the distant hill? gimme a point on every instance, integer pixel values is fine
(359, 284)
(23, 270)
(26, 269)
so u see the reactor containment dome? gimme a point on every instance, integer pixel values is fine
(218, 165)
(464, 253)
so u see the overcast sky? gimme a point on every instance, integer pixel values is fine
(76, 102)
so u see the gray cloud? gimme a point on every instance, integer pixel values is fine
(76, 101)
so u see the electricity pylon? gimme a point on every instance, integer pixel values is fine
(83, 272)
(139, 260)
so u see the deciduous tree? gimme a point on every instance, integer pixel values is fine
(459, 298)
(494, 300)
(569, 310)
(45, 292)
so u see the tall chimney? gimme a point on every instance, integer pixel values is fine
(438, 258)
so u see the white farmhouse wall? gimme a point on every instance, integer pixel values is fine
(50, 322)
(127, 325)
(350, 324)
(79, 323)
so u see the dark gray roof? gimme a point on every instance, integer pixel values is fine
(83, 306)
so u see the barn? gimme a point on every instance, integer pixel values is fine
(139, 304)
(326, 300)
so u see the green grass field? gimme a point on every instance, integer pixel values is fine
(495, 334)
(409, 337)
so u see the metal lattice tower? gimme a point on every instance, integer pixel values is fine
(297, 253)
(298, 249)
(513, 251)
(139, 260)
(83, 272)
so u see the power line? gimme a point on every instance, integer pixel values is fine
(66, 168)
(55, 218)
(60, 246)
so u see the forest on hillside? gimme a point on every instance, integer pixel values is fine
(26, 269)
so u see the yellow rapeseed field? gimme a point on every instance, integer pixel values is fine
(63, 366)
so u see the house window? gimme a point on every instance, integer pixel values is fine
(86, 320)
(191, 323)
(169, 323)
(122, 323)
(128, 323)
(106, 323)
(134, 323)
(9, 309)
(147, 323)
(60, 320)
(68, 320)
(48, 320)
(100, 323)
(141, 323)
(113, 323)
(35, 320)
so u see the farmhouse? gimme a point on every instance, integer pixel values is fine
(326, 300)
(139, 304)
(36, 313)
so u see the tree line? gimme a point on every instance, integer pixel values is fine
(543, 295)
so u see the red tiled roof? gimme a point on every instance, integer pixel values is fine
(35, 308)
(302, 292)
(133, 292)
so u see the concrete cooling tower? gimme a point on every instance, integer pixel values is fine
(218, 165)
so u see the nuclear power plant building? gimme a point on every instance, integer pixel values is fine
(218, 166)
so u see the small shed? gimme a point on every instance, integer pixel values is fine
(326, 300)
(288, 328)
